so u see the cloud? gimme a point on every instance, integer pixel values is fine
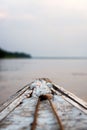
(3, 15)
(27, 17)
(7, 16)
(46, 26)
(22, 17)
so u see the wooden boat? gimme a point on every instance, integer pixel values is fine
(43, 105)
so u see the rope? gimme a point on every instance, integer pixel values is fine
(35, 115)
(56, 114)
(41, 98)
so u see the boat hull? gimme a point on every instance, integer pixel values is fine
(19, 112)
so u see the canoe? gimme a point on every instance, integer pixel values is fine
(43, 105)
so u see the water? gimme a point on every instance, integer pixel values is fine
(69, 73)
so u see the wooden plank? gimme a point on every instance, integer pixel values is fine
(14, 104)
(71, 98)
(19, 114)
(13, 97)
(22, 117)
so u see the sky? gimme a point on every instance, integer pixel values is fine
(44, 27)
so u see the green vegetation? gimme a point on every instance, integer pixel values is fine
(7, 54)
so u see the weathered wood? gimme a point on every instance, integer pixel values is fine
(13, 97)
(71, 98)
(19, 114)
(13, 105)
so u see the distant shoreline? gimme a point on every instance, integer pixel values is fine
(60, 58)
(7, 54)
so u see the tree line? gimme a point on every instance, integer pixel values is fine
(7, 54)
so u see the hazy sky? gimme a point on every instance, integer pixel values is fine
(44, 27)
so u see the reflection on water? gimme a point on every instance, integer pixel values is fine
(16, 73)
(79, 74)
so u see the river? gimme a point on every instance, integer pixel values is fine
(68, 73)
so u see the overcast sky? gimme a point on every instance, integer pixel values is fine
(44, 27)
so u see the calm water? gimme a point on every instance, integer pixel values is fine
(16, 73)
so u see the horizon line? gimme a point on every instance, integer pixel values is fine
(61, 57)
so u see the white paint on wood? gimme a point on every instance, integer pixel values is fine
(71, 98)
(19, 114)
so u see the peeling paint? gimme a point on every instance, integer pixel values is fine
(19, 116)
